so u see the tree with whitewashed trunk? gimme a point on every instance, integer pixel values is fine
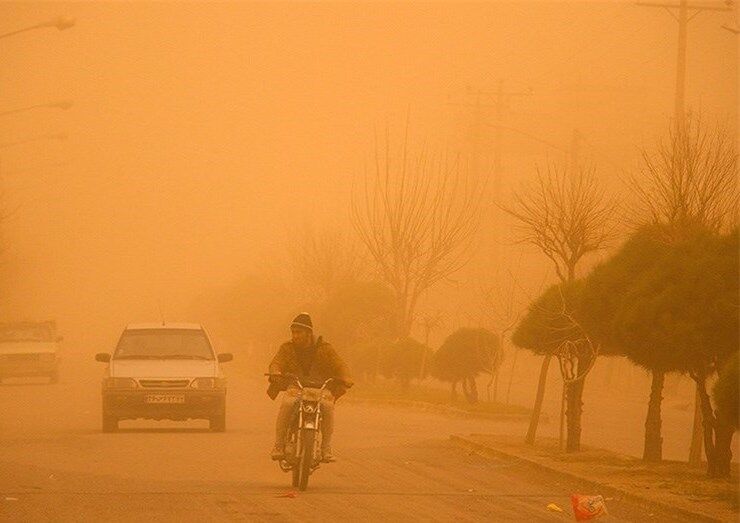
(566, 215)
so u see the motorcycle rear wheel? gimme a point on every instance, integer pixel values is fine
(306, 461)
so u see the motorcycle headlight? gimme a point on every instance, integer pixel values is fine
(120, 383)
(207, 383)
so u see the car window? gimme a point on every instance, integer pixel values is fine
(164, 344)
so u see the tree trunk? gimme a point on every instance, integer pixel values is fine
(718, 433)
(574, 397)
(563, 405)
(723, 447)
(697, 433)
(724, 431)
(470, 390)
(653, 450)
(511, 376)
(534, 420)
(493, 383)
(708, 423)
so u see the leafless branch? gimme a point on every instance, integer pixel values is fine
(416, 215)
(689, 180)
(566, 215)
(325, 260)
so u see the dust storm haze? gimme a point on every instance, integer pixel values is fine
(209, 143)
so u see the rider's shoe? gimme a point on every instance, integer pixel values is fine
(327, 456)
(277, 453)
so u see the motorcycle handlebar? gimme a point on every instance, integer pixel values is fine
(298, 381)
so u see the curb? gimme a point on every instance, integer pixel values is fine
(492, 452)
(445, 409)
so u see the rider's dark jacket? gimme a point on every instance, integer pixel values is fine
(318, 362)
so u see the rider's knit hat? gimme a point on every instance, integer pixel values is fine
(303, 320)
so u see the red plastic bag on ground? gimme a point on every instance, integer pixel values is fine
(587, 507)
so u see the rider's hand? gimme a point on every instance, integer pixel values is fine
(337, 389)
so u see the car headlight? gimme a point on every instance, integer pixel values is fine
(120, 383)
(207, 383)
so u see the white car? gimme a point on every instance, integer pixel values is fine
(164, 371)
(29, 349)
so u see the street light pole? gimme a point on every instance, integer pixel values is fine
(61, 23)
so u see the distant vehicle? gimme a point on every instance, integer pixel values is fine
(164, 371)
(29, 349)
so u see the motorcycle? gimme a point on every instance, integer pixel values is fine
(303, 438)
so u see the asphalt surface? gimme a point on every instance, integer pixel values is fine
(394, 464)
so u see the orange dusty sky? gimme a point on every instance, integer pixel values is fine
(202, 133)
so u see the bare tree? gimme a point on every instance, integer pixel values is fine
(325, 260)
(689, 181)
(566, 215)
(503, 313)
(416, 214)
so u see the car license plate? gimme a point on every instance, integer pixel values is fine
(165, 398)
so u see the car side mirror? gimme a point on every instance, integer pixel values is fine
(102, 356)
(226, 356)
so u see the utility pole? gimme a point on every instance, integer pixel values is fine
(499, 102)
(680, 12)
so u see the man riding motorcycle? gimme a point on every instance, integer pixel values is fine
(310, 359)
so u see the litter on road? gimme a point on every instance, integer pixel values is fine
(587, 506)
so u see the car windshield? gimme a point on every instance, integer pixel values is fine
(160, 344)
(39, 332)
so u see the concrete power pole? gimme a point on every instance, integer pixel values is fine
(681, 13)
(498, 101)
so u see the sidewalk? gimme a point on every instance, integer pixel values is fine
(673, 486)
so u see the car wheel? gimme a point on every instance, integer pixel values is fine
(218, 423)
(110, 423)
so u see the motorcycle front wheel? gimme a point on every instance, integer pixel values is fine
(296, 475)
(306, 461)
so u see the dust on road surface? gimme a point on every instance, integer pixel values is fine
(395, 464)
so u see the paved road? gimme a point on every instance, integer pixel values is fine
(394, 465)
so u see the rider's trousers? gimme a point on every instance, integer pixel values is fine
(290, 397)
